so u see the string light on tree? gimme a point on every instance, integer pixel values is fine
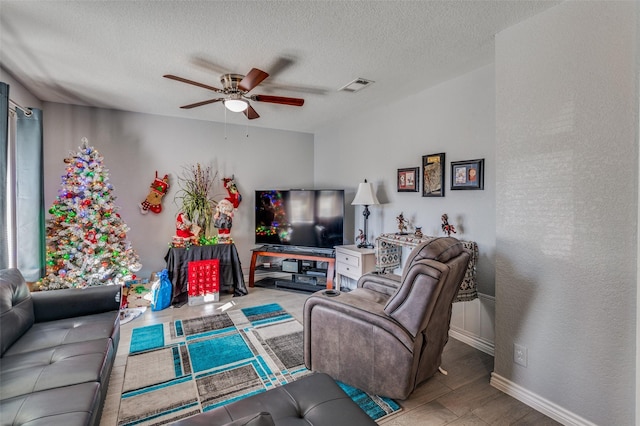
(86, 237)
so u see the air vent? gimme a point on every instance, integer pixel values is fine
(356, 85)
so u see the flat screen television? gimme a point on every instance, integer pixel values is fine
(300, 217)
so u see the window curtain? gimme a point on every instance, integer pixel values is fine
(4, 175)
(30, 195)
(22, 190)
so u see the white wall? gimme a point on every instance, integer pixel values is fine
(456, 117)
(567, 210)
(135, 145)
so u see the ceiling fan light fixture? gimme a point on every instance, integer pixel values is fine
(236, 105)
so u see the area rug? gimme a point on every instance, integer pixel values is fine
(181, 368)
(129, 314)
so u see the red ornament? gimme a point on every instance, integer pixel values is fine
(91, 236)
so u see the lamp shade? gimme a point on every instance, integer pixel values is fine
(365, 195)
(236, 105)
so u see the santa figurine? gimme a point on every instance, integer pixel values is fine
(223, 219)
(186, 231)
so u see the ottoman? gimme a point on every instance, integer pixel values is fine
(313, 400)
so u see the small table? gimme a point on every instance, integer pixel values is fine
(353, 262)
(389, 255)
(231, 278)
(292, 254)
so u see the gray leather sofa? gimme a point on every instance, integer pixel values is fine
(314, 400)
(58, 348)
(387, 336)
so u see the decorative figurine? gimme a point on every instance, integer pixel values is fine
(402, 224)
(418, 232)
(187, 232)
(446, 228)
(361, 238)
(223, 219)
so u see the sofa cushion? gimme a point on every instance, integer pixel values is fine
(52, 368)
(76, 405)
(257, 419)
(50, 334)
(16, 308)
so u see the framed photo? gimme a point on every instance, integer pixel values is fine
(467, 174)
(433, 175)
(408, 179)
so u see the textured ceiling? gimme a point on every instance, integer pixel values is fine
(113, 54)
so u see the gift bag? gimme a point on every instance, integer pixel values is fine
(162, 291)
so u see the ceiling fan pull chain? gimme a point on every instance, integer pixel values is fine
(225, 124)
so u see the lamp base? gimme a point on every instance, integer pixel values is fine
(365, 245)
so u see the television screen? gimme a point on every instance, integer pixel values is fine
(306, 218)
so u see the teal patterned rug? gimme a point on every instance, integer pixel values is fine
(181, 368)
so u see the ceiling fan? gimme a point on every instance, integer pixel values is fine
(235, 88)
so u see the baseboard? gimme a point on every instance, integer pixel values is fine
(474, 341)
(537, 402)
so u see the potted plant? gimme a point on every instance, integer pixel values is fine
(195, 196)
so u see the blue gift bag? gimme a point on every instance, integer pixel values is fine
(162, 292)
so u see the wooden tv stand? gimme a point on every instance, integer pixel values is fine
(293, 253)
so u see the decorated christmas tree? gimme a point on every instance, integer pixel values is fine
(86, 237)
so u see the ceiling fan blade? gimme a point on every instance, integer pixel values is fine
(252, 79)
(278, 100)
(195, 83)
(280, 64)
(197, 104)
(251, 113)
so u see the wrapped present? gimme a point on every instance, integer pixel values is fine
(137, 293)
(204, 281)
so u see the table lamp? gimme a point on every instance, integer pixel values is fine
(365, 197)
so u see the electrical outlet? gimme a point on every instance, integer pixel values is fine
(520, 354)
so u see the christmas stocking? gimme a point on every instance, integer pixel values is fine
(158, 188)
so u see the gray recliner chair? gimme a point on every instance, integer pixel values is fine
(387, 336)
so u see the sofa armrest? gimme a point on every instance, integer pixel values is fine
(382, 283)
(74, 302)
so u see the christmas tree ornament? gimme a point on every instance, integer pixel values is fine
(158, 189)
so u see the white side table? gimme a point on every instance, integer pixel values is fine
(353, 262)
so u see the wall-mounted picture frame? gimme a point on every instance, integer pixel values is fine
(467, 174)
(433, 175)
(408, 179)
